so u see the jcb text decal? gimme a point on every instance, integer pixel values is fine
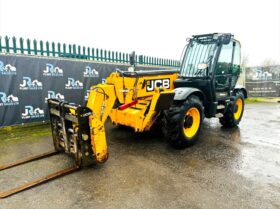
(152, 84)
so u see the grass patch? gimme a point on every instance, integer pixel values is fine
(252, 100)
(27, 132)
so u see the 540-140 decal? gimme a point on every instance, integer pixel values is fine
(152, 84)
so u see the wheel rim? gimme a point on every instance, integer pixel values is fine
(191, 122)
(238, 108)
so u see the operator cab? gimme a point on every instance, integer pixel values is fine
(211, 63)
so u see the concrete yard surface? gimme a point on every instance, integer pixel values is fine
(228, 168)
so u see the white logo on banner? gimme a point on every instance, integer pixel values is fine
(30, 112)
(52, 71)
(10, 100)
(7, 69)
(53, 95)
(73, 84)
(90, 72)
(28, 84)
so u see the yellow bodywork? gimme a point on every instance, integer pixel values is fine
(105, 100)
(126, 89)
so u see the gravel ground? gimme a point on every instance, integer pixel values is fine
(227, 168)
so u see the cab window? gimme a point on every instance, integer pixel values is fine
(224, 62)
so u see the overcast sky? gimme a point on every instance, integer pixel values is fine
(155, 28)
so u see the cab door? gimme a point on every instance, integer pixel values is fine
(223, 72)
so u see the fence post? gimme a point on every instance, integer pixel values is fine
(105, 55)
(79, 51)
(42, 47)
(14, 44)
(109, 56)
(101, 54)
(97, 54)
(48, 48)
(35, 46)
(7, 44)
(69, 51)
(120, 57)
(74, 51)
(112, 56)
(58, 49)
(64, 50)
(28, 46)
(126, 57)
(92, 53)
(88, 53)
(84, 52)
(53, 49)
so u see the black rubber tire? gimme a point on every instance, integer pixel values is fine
(173, 122)
(228, 119)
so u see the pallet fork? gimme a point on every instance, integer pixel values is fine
(75, 131)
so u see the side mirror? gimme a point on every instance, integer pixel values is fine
(132, 58)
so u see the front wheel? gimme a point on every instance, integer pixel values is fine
(234, 112)
(182, 123)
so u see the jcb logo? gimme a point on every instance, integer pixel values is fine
(152, 84)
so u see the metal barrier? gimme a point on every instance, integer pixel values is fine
(52, 49)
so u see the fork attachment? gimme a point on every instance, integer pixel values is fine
(75, 130)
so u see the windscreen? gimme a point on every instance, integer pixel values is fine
(198, 53)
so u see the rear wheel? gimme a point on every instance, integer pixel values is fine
(234, 112)
(182, 122)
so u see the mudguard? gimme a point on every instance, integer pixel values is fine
(241, 88)
(182, 93)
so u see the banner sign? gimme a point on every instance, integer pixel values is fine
(263, 81)
(27, 82)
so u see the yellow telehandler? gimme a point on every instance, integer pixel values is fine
(205, 86)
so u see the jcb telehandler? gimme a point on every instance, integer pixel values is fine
(205, 86)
